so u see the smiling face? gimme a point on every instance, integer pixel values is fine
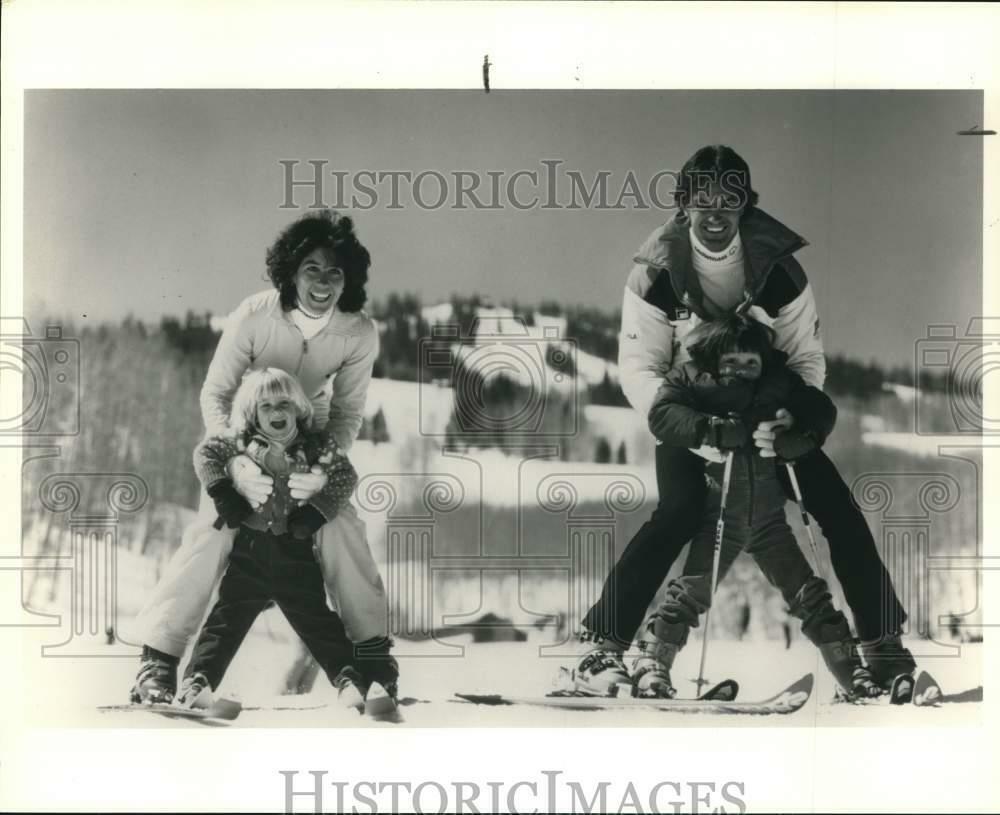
(276, 417)
(714, 219)
(319, 281)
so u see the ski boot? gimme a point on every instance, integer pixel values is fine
(380, 676)
(156, 682)
(658, 645)
(195, 692)
(351, 688)
(829, 631)
(839, 652)
(890, 662)
(600, 671)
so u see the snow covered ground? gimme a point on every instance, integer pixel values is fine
(432, 672)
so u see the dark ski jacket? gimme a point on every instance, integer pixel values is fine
(688, 398)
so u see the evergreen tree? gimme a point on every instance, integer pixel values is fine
(602, 453)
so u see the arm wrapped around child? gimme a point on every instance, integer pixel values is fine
(678, 416)
(814, 416)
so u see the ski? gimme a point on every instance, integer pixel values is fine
(921, 690)
(926, 691)
(789, 700)
(220, 711)
(901, 691)
(725, 691)
(381, 705)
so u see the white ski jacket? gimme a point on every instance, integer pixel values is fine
(663, 302)
(258, 334)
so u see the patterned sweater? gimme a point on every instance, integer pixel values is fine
(315, 447)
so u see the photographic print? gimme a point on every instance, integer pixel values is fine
(372, 412)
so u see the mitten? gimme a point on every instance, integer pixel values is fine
(232, 507)
(305, 521)
(726, 434)
(791, 445)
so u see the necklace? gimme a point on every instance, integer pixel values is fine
(309, 316)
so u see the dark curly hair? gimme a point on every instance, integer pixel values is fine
(716, 164)
(735, 332)
(330, 230)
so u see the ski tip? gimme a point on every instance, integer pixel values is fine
(901, 691)
(227, 709)
(379, 702)
(484, 698)
(803, 685)
(725, 691)
(926, 691)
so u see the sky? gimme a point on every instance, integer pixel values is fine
(155, 202)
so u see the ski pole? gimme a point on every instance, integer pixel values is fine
(716, 558)
(797, 491)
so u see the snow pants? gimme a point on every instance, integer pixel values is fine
(175, 610)
(754, 523)
(643, 566)
(265, 567)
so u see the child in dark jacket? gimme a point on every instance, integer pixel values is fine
(273, 557)
(735, 380)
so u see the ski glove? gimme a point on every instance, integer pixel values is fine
(791, 445)
(305, 521)
(726, 434)
(232, 507)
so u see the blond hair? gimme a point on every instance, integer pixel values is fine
(263, 384)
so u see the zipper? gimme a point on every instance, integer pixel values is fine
(305, 349)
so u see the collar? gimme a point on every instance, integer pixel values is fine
(290, 446)
(704, 257)
(765, 241)
(282, 316)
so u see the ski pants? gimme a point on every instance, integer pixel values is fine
(754, 523)
(174, 612)
(265, 567)
(643, 566)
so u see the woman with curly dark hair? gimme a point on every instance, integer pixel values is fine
(311, 325)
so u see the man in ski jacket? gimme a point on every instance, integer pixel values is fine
(722, 254)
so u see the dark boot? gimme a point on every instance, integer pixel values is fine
(351, 688)
(828, 630)
(156, 682)
(888, 658)
(376, 664)
(840, 654)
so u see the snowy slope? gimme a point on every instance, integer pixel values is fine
(430, 679)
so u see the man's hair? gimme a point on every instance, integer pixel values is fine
(325, 229)
(716, 164)
(267, 383)
(708, 341)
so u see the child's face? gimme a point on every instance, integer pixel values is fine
(740, 365)
(276, 416)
